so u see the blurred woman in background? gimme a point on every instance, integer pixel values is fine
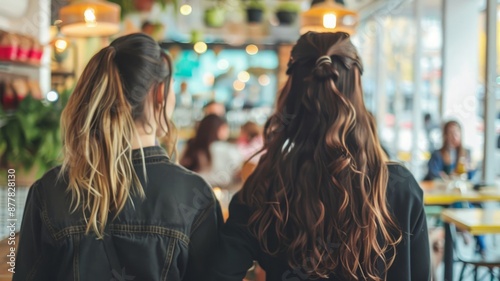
(119, 208)
(451, 157)
(323, 204)
(453, 160)
(210, 155)
(250, 141)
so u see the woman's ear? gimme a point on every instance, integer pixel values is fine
(160, 94)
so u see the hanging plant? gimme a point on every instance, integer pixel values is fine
(128, 6)
(287, 12)
(215, 16)
(255, 11)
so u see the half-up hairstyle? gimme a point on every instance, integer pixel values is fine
(320, 188)
(99, 124)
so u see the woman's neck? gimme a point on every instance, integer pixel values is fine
(144, 139)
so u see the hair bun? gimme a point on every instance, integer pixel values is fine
(323, 69)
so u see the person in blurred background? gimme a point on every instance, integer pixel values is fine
(250, 141)
(210, 155)
(250, 144)
(118, 200)
(429, 127)
(451, 157)
(148, 28)
(186, 100)
(216, 108)
(453, 160)
(323, 203)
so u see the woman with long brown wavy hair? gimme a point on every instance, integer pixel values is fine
(323, 203)
(118, 208)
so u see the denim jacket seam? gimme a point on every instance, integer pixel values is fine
(70, 230)
(148, 161)
(46, 220)
(151, 229)
(168, 260)
(200, 218)
(152, 162)
(118, 228)
(156, 151)
(76, 268)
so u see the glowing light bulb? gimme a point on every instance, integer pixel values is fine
(264, 80)
(61, 45)
(90, 17)
(244, 76)
(52, 96)
(186, 9)
(238, 85)
(252, 49)
(329, 20)
(200, 47)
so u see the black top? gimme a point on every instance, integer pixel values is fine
(167, 236)
(239, 248)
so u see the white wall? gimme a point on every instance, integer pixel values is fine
(461, 67)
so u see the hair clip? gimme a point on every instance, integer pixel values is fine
(323, 59)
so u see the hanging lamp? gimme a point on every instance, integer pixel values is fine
(90, 18)
(329, 16)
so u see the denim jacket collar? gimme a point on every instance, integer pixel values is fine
(149, 151)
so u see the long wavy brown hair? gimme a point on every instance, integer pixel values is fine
(99, 124)
(319, 190)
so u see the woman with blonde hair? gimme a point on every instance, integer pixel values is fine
(322, 203)
(118, 208)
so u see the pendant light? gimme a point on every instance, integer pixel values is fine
(329, 16)
(90, 18)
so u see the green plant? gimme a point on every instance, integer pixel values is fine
(30, 135)
(214, 16)
(255, 4)
(288, 6)
(127, 6)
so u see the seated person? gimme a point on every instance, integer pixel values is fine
(211, 156)
(250, 142)
(444, 161)
(215, 108)
(449, 160)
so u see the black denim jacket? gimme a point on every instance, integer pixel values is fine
(167, 236)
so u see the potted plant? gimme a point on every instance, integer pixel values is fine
(31, 142)
(287, 12)
(255, 11)
(215, 16)
(128, 6)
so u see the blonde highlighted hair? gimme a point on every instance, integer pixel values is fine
(99, 124)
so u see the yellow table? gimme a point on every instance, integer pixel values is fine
(475, 221)
(448, 198)
(438, 195)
